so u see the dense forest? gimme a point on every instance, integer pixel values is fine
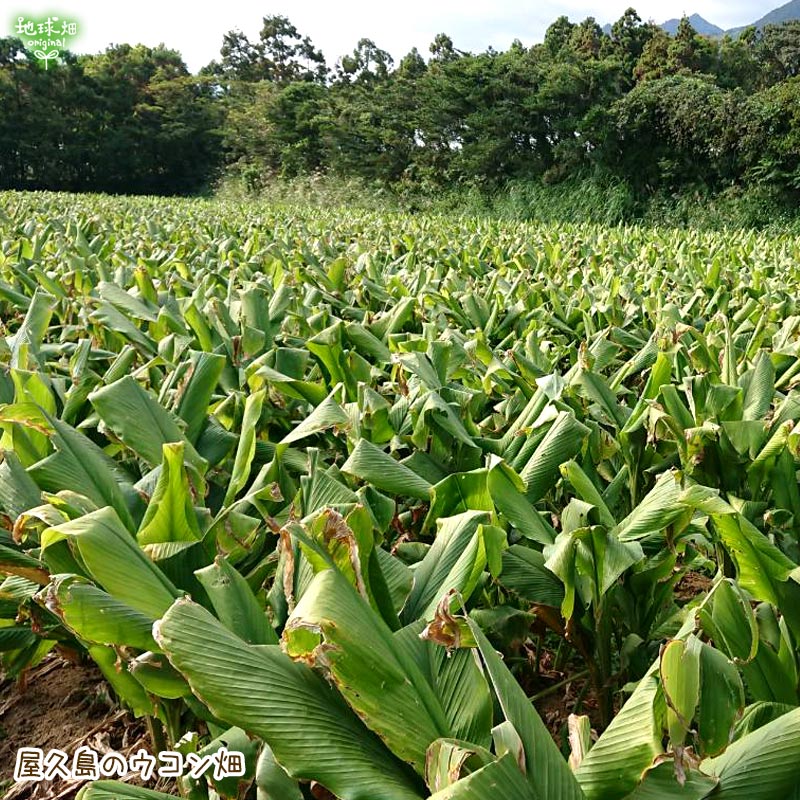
(660, 113)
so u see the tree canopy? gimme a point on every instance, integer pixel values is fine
(635, 104)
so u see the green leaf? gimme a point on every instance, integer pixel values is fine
(139, 420)
(721, 700)
(763, 765)
(661, 783)
(30, 334)
(18, 491)
(96, 616)
(81, 466)
(454, 561)
(116, 790)
(761, 567)
(501, 778)
(158, 677)
(462, 491)
(170, 514)
(311, 730)
(369, 463)
(333, 628)
(456, 679)
(524, 573)
(449, 759)
(613, 767)
(508, 494)
(127, 688)
(246, 448)
(546, 770)
(660, 507)
(235, 604)
(679, 669)
(115, 562)
(560, 444)
(205, 372)
(326, 415)
(272, 781)
(759, 386)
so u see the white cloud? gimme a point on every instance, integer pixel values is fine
(336, 27)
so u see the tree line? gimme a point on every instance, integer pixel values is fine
(661, 113)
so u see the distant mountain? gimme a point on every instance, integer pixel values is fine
(702, 26)
(785, 13)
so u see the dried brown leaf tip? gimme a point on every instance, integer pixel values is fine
(447, 629)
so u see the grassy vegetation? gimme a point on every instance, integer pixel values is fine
(606, 202)
(294, 477)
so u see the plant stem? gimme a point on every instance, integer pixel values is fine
(556, 686)
(156, 731)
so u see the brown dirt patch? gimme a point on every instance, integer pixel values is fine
(691, 585)
(61, 704)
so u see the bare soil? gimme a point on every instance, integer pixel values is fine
(61, 704)
(691, 585)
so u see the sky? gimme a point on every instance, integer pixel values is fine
(335, 27)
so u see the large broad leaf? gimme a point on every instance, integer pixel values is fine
(18, 492)
(235, 604)
(595, 389)
(157, 676)
(312, 732)
(721, 700)
(588, 492)
(127, 688)
(29, 335)
(454, 561)
(170, 515)
(679, 670)
(334, 629)
(761, 567)
(759, 388)
(246, 448)
(525, 574)
(560, 444)
(501, 778)
(437, 413)
(139, 420)
(759, 714)
(659, 507)
(16, 562)
(614, 766)
(661, 783)
(730, 621)
(588, 561)
(546, 769)
(125, 302)
(205, 371)
(115, 561)
(95, 616)
(462, 491)
(457, 681)
(272, 780)
(398, 577)
(763, 765)
(327, 414)
(116, 790)
(659, 375)
(369, 463)
(81, 466)
(450, 759)
(507, 491)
